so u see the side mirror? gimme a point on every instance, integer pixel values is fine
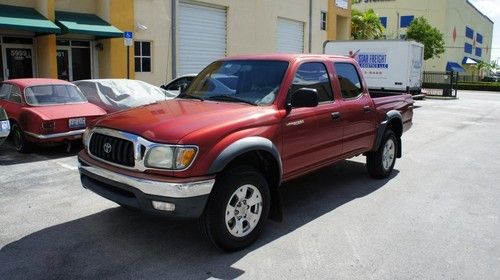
(304, 97)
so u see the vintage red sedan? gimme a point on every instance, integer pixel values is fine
(45, 111)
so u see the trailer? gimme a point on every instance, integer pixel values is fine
(388, 65)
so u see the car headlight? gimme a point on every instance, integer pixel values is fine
(86, 138)
(170, 157)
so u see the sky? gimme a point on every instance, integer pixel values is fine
(491, 8)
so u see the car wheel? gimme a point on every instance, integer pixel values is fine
(237, 208)
(381, 163)
(18, 140)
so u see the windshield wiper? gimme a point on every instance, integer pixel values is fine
(230, 98)
(189, 96)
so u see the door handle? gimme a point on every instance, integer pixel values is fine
(367, 109)
(335, 116)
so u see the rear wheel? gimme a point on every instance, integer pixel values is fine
(237, 208)
(381, 163)
(19, 140)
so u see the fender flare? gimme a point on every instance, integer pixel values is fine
(244, 145)
(392, 115)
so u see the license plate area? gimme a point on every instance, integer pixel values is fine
(4, 127)
(75, 123)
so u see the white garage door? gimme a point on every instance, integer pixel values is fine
(290, 37)
(201, 37)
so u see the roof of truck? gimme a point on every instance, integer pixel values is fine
(277, 56)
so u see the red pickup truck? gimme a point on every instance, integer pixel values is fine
(220, 151)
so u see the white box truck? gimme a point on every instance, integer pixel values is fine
(388, 65)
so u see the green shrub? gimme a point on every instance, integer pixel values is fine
(481, 86)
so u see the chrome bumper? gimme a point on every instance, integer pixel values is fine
(164, 189)
(56, 135)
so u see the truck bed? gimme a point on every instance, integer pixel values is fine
(403, 102)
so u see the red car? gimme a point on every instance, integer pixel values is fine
(45, 111)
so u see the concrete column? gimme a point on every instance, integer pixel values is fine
(113, 56)
(45, 45)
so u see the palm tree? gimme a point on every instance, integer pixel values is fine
(366, 26)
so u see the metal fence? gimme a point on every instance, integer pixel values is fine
(440, 83)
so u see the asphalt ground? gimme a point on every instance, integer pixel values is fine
(437, 217)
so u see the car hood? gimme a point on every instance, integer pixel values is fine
(172, 120)
(64, 111)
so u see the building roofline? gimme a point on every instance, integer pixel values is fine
(472, 5)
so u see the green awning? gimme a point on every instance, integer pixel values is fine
(26, 19)
(87, 24)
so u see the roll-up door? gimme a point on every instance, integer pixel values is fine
(290, 37)
(201, 36)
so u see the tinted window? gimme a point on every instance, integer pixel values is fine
(5, 91)
(350, 83)
(53, 94)
(15, 94)
(313, 75)
(251, 81)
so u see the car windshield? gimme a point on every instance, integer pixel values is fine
(254, 82)
(53, 94)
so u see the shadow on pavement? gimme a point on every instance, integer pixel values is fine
(119, 243)
(9, 155)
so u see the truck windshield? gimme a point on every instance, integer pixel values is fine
(248, 81)
(53, 94)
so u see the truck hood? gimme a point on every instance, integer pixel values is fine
(170, 121)
(55, 112)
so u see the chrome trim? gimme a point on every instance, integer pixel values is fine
(56, 135)
(137, 141)
(164, 189)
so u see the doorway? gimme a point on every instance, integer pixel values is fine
(17, 61)
(74, 60)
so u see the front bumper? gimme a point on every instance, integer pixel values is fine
(189, 198)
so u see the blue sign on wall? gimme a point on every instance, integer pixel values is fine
(127, 35)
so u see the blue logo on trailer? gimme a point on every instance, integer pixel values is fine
(372, 60)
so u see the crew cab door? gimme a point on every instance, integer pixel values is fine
(311, 136)
(358, 109)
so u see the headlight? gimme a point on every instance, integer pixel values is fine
(86, 138)
(170, 157)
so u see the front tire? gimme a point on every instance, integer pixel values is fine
(381, 163)
(19, 140)
(237, 208)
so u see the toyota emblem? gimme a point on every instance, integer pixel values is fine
(107, 148)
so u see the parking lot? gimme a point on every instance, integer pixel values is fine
(437, 217)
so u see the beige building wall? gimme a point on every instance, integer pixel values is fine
(155, 16)
(448, 16)
(251, 28)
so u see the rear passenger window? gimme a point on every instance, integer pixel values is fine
(313, 75)
(350, 83)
